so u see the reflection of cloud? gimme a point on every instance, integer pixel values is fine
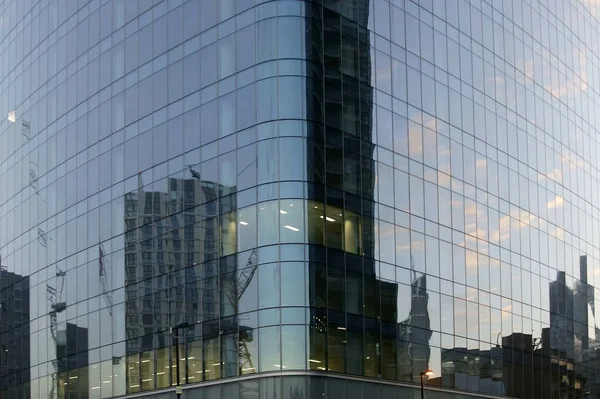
(444, 159)
(521, 220)
(473, 296)
(482, 223)
(558, 233)
(529, 69)
(383, 71)
(471, 262)
(556, 202)
(429, 121)
(496, 79)
(444, 179)
(386, 241)
(503, 232)
(555, 174)
(578, 84)
(473, 230)
(566, 163)
(418, 245)
(527, 218)
(471, 218)
(403, 247)
(415, 139)
(431, 175)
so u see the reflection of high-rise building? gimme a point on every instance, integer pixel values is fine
(583, 309)
(472, 369)
(176, 274)
(161, 249)
(14, 331)
(72, 354)
(562, 340)
(414, 333)
(558, 359)
(566, 341)
(354, 312)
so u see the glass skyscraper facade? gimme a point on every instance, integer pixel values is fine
(318, 199)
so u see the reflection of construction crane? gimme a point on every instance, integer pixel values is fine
(33, 180)
(26, 129)
(245, 333)
(240, 285)
(56, 306)
(247, 273)
(103, 272)
(43, 238)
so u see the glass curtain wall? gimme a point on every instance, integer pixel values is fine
(349, 188)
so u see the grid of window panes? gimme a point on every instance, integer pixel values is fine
(365, 187)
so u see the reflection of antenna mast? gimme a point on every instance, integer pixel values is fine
(103, 264)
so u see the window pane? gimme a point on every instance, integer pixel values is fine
(294, 347)
(268, 223)
(293, 284)
(147, 370)
(291, 214)
(268, 285)
(212, 358)
(270, 349)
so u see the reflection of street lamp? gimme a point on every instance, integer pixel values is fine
(428, 373)
(175, 334)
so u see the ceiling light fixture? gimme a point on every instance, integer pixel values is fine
(328, 219)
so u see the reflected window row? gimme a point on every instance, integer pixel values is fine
(445, 317)
(285, 222)
(132, 58)
(363, 352)
(419, 198)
